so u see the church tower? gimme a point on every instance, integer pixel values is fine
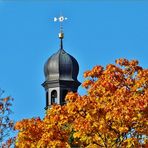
(61, 71)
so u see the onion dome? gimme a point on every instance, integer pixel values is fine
(61, 65)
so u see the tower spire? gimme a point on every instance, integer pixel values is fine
(61, 71)
(61, 33)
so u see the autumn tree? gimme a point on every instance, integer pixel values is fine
(6, 123)
(113, 113)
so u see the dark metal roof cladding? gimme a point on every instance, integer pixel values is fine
(61, 66)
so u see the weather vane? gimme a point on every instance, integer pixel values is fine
(60, 19)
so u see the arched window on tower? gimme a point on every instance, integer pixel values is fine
(54, 98)
(47, 103)
(64, 93)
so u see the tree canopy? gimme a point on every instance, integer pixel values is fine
(113, 113)
(6, 123)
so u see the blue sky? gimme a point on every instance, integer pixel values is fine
(96, 33)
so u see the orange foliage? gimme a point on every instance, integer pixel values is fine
(113, 113)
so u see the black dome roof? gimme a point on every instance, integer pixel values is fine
(61, 66)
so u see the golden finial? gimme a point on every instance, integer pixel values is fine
(61, 34)
(60, 19)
